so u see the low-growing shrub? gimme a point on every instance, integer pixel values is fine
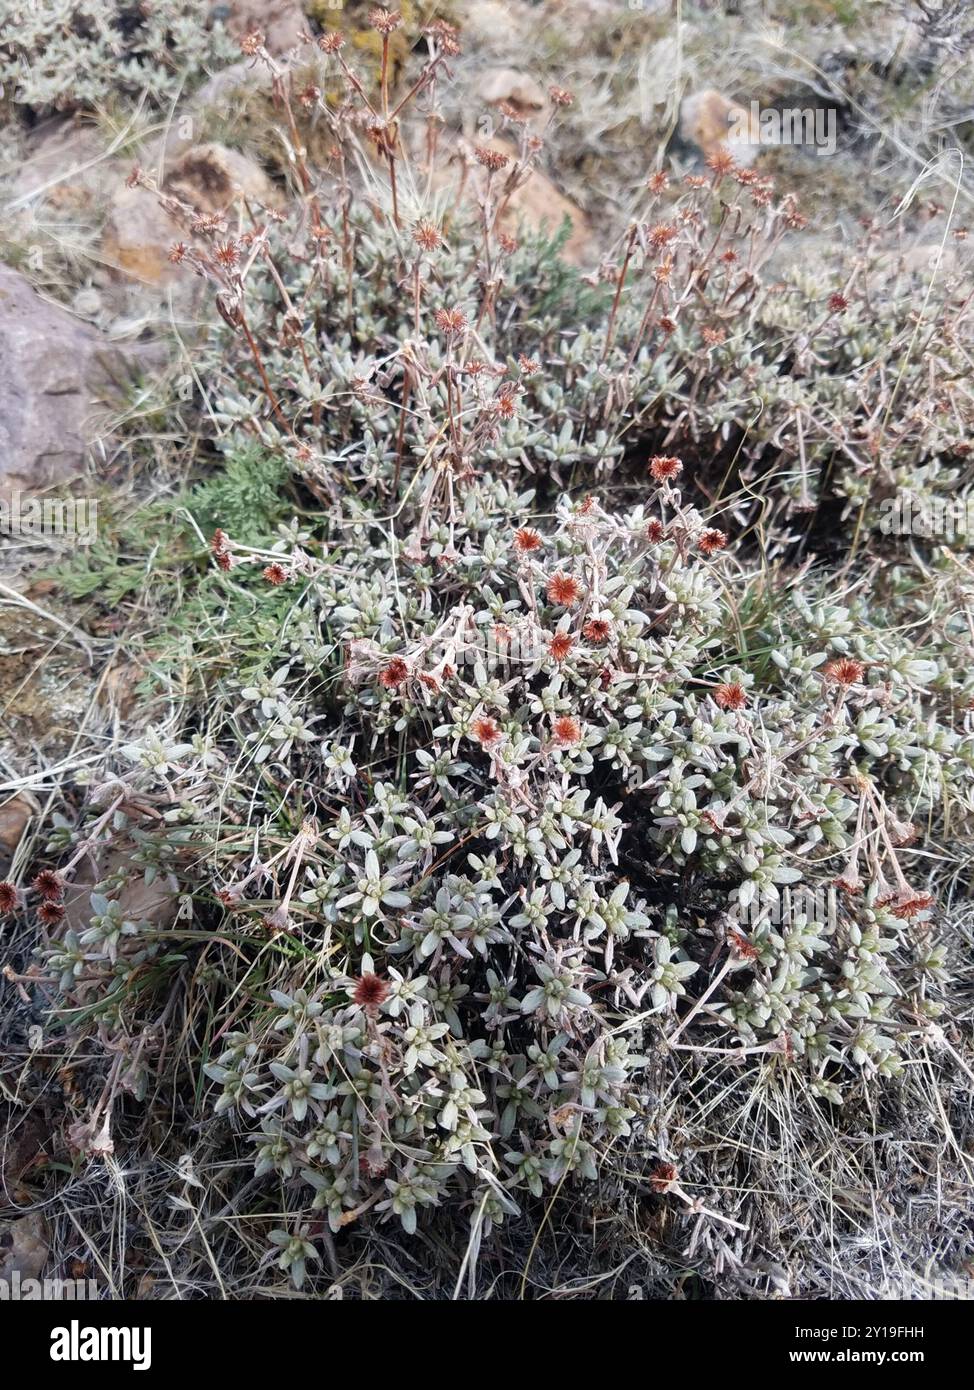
(511, 761)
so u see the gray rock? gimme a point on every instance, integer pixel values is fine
(57, 379)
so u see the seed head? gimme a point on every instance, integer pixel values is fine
(331, 42)
(276, 574)
(560, 96)
(252, 43)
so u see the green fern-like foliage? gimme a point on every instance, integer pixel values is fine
(246, 498)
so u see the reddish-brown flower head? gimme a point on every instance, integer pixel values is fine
(9, 897)
(664, 469)
(526, 539)
(177, 252)
(845, 671)
(370, 991)
(730, 696)
(394, 674)
(560, 645)
(384, 22)
(50, 913)
(563, 589)
(663, 1176)
(331, 42)
(741, 947)
(227, 254)
(490, 159)
(567, 730)
(50, 885)
(909, 903)
(711, 541)
(721, 162)
(276, 574)
(485, 731)
(655, 531)
(560, 96)
(837, 302)
(597, 630)
(427, 236)
(661, 235)
(450, 320)
(505, 402)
